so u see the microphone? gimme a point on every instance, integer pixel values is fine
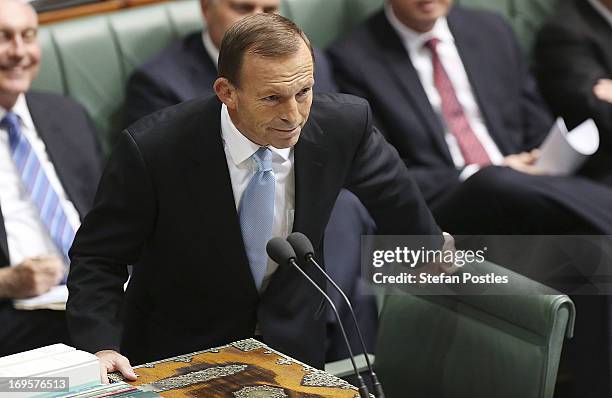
(281, 251)
(304, 249)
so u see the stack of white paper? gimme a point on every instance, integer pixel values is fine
(54, 299)
(58, 360)
(563, 152)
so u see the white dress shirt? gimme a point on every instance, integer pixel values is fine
(238, 151)
(209, 46)
(27, 236)
(604, 11)
(421, 58)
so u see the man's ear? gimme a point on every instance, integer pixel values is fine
(226, 92)
(204, 4)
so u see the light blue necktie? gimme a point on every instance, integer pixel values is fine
(37, 185)
(257, 214)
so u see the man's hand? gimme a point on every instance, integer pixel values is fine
(32, 277)
(603, 90)
(524, 162)
(112, 361)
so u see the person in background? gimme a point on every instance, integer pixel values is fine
(50, 162)
(187, 69)
(573, 66)
(450, 90)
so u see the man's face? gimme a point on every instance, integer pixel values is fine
(420, 15)
(273, 101)
(19, 50)
(221, 14)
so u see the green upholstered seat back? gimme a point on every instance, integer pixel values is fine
(526, 16)
(325, 20)
(91, 58)
(474, 346)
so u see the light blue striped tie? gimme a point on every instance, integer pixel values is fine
(37, 185)
(257, 214)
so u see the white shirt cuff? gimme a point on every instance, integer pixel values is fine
(468, 171)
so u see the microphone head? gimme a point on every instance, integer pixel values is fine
(280, 251)
(301, 244)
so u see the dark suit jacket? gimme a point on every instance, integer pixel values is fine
(373, 63)
(165, 204)
(184, 71)
(574, 51)
(72, 146)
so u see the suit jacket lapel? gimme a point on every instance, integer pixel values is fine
(401, 67)
(310, 159)
(209, 182)
(471, 50)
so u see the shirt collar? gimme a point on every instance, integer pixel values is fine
(20, 109)
(413, 40)
(209, 46)
(603, 10)
(239, 146)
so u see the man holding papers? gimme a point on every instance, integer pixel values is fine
(450, 90)
(49, 165)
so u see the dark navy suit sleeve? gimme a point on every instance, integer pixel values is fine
(122, 217)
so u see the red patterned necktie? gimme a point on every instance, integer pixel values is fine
(471, 148)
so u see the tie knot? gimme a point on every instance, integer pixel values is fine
(263, 159)
(432, 44)
(10, 121)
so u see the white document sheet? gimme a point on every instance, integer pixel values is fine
(563, 152)
(54, 299)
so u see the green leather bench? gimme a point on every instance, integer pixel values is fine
(91, 58)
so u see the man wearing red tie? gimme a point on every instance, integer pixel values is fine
(449, 89)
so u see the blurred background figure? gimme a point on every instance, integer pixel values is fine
(49, 167)
(574, 70)
(188, 68)
(450, 90)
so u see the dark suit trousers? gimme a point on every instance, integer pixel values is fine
(499, 200)
(26, 330)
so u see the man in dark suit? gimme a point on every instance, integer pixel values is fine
(450, 91)
(49, 162)
(187, 70)
(186, 198)
(574, 70)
